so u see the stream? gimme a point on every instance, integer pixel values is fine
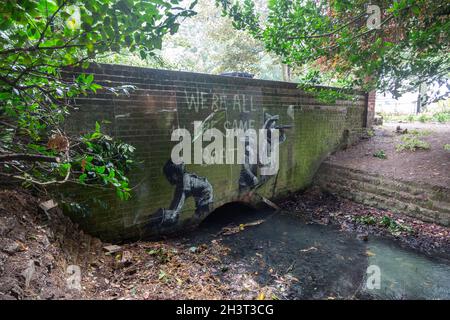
(324, 262)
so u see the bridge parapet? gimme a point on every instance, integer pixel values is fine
(167, 100)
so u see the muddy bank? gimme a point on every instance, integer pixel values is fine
(315, 206)
(36, 249)
(315, 249)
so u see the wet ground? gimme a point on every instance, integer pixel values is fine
(313, 252)
(294, 259)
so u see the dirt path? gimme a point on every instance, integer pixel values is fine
(431, 166)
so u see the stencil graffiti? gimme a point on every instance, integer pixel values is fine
(186, 185)
(248, 178)
(255, 170)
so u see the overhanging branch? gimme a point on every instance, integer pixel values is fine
(28, 157)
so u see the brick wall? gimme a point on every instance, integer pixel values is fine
(165, 100)
(370, 108)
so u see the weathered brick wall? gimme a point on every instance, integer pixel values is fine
(371, 108)
(165, 100)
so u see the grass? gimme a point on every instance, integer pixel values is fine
(439, 116)
(380, 154)
(420, 133)
(442, 117)
(410, 142)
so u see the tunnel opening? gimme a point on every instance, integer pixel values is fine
(233, 213)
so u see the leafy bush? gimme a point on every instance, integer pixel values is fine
(39, 39)
(334, 38)
(411, 118)
(442, 117)
(447, 147)
(424, 118)
(412, 143)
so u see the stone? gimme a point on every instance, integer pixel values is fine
(6, 225)
(112, 248)
(362, 236)
(126, 258)
(48, 205)
(29, 272)
(11, 246)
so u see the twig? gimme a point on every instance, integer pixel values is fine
(28, 157)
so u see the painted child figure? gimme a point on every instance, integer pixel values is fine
(186, 185)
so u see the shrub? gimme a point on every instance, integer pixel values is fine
(412, 143)
(424, 118)
(420, 132)
(442, 117)
(411, 118)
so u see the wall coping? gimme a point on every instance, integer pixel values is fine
(111, 68)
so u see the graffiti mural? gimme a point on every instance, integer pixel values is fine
(191, 185)
(186, 185)
(248, 178)
(168, 196)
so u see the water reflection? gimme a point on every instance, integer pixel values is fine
(327, 262)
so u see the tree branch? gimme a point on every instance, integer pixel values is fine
(28, 157)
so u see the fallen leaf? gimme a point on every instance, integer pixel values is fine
(370, 253)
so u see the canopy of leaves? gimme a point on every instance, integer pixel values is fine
(410, 46)
(208, 43)
(38, 40)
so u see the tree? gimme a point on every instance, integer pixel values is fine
(343, 41)
(38, 40)
(208, 43)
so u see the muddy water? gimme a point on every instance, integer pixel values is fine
(312, 261)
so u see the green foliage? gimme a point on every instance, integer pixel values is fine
(370, 133)
(161, 254)
(326, 95)
(380, 154)
(331, 37)
(447, 147)
(39, 40)
(366, 219)
(394, 227)
(424, 118)
(209, 43)
(104, 162)
(420, 133)
(442, 117)
(125, 57)
(412, 143)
